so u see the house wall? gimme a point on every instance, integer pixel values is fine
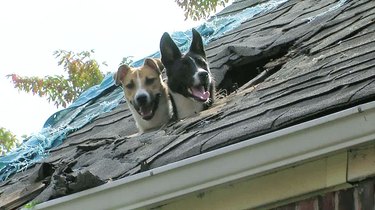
(361, 196)
(341, 181)
(361, 175)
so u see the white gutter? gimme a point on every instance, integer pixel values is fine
(301, 142)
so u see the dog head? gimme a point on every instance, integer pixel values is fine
(189, 74)
(143, 86)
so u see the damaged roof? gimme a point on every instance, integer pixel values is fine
(295, 63)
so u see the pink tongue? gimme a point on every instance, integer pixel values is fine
(200, 93)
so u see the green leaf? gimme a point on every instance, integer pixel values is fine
(7, 140)
(198, 9)
(83, 73)
(31, 204)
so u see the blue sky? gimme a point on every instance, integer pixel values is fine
(32, 30)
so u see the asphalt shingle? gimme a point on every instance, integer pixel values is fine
(321, 54)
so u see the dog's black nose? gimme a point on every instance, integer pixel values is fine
(141, 99)
(203, 75)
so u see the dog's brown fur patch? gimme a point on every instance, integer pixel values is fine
(147, 77)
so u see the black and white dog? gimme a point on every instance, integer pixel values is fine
(189, 78)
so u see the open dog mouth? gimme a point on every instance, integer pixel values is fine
(199, 93)
(146, 112)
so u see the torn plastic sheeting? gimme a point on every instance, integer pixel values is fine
(57, 127)
(216, 27)
(105, 97)
(336, 6)
(85, 97)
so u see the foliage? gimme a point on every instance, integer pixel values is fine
(198, 9)
(31, 204)
(83, 73)
(127, 60)
(7, 141)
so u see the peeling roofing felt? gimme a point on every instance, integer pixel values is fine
(296, 62)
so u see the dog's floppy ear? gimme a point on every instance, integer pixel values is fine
(168, 49)
(197, 44)
(160, 64)
(155, 64)
(121, 73)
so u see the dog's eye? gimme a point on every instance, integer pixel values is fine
(130, 86)
(150, 81)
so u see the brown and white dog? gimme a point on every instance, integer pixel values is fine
(146, 94)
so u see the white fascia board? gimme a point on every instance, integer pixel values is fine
(249, 158)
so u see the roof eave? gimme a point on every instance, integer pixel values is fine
(252, 157)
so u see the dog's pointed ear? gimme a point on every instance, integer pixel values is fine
(168, 49)
(155, 64)
(197, 44)
(120, 74)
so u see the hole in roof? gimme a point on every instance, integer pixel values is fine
(252, 70)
